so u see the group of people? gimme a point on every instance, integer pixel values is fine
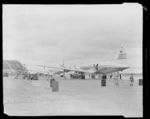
(117, 76)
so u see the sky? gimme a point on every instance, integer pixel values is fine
(47, 34)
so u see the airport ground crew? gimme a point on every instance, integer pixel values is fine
(104, 77)
(51, 81)
(120, 76)
(116, 79)
(131, 80)
(29, 76)
(71, 76)
(110, 76)
(36, 76)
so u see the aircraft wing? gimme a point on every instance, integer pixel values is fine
(71, 69)
(83, 71)
(37, 71)
(101, 70)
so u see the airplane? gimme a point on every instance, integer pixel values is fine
(101, 67)
(97, 68)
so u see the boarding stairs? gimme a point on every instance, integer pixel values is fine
(19, 74)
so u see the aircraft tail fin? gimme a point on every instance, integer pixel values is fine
(63, 64)
(122, 57)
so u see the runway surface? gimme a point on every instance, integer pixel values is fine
(75, 97)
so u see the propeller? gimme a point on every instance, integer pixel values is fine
(95, 66)
(63, 66)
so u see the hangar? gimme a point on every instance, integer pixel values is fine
(12, 66)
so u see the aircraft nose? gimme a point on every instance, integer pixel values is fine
(127, 67)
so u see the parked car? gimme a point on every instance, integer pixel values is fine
(34, 77)
(5, 74)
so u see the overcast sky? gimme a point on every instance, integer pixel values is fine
(45, 34)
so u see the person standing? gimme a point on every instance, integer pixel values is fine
(120, 76)
(131, 80)
(71, 76)
(110, 76)
(116, 79)
(29, 76)
(49, 77)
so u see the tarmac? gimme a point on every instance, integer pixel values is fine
(75, 97)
